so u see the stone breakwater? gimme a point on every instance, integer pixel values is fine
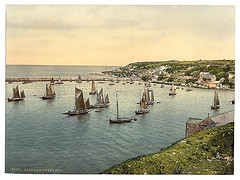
(67, 79)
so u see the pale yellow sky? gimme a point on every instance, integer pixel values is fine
(117, 35)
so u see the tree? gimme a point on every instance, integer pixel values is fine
(221, 75)
(145, 78)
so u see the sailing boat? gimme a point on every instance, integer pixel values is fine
(188, 89)
(16, 96)
(118, 119)
(131, 81)
(101, 102)
(139, 83)
(173, 91)
(94, 91)
(143, 106)
(88, 104)
(79, 80)
(50, 92)
(149, 100)
(27, 81)
(81, 107)
(59, 81)
(216, 104)
(52, 81)
(117, 81)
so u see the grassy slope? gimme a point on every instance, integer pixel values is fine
(207, 152)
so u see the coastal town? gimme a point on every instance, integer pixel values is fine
(200, 73)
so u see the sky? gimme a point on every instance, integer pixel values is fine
(117, 35)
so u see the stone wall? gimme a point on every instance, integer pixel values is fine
(193, 129)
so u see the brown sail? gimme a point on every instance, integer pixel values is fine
(107, 99)
(147, 98)
(216, 99)
(22, 94)
(16, 92)
(79, 101)
(143, 104)
(152, 96)
(88, 104)
(93, 87)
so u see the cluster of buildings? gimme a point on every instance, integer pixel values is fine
(195, 125)
(166, 74)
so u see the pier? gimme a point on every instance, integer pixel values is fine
(28, 80)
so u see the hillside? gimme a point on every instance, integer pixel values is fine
(207, 152)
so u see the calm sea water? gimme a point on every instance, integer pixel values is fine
(38, 136)
(56, 71)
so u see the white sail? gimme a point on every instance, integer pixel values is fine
(100, 97)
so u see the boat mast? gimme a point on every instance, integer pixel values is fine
(117, 104)
(216, 100)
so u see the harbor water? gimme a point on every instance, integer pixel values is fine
(39, 136)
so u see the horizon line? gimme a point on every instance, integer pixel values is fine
(54, 65)
(118, 65)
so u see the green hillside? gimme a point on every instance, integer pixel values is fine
(207, 152)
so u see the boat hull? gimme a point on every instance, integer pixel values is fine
(122, 120)
(142, 111)
(91, 93)
(150, 103)
(15, 99)
(75, 113)
(215, 107)
(100, 105)
(47, 97)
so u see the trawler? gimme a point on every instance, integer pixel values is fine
(143, 106)
(216, 104)
(94, 91)
(50, 92)
(173, 91)
(101, 102)
(119, 119)
(59, 81)
(16, 96)
(79, 80)
(80, 106)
